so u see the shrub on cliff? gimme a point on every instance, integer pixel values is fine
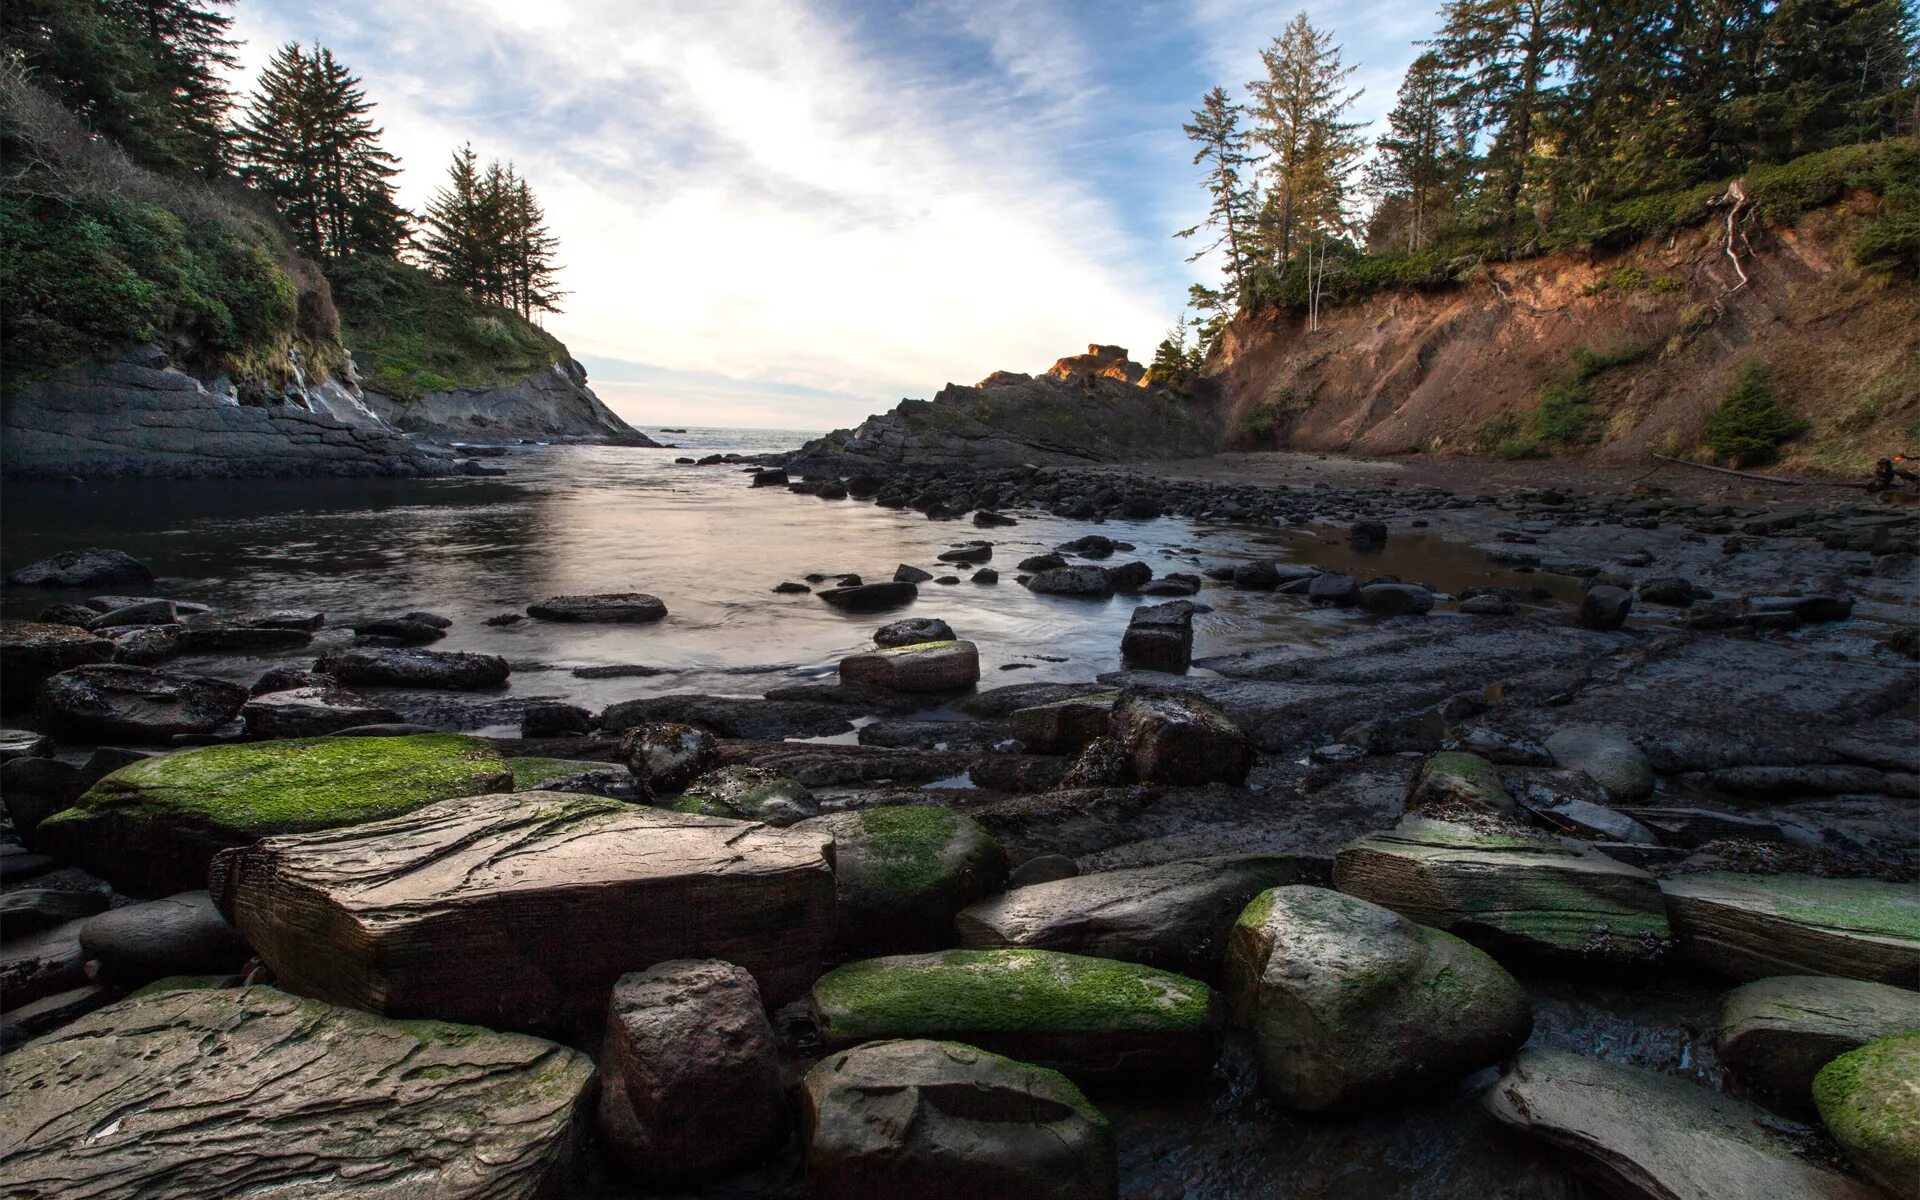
(1749, 426)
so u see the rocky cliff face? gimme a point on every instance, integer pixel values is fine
(1087, 408)
(553, 404)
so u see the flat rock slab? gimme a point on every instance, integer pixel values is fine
(1643, 1134)
(923, 667)
(311, 712)
(453, 910)
(1752, 926)
(109, 702)
(455, 670)
(1509, 891)
(31, 652)
(151, 827)
(93, 567)
(605, 608)
(250, 1091)
(1776, 1033)
(1089, 1017)
(870, 597)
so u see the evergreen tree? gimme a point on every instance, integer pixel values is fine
(1507, 55)
(1416, 171)
(307, 142)
(486, 233)
(532, 274)
(1311, 151)
(1223, 148)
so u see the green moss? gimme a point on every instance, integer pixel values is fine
(905, 851)
(530, 773)
(1867, 906)
(1870, 1104)
(1004, 991)
(1258, 909)
(299, 784)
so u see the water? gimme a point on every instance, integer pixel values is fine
(572, 519)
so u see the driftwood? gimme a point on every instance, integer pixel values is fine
(1741, 474)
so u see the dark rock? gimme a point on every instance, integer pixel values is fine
(78, 615)
(180, 935)
(24, 743)
(1159, 637)
(545, 719)
(1669, 591)
(1093, 545)
(744, 793)
(605, 608)
(1129, 577)
(311, 712)
(1751, 926)
(1072, 581)
(105, 703)
(82, 568)
(1042, 562)
(36, 788)
(1395, 599)
(1064, 726)
(1487, 604)
(23, 1023)
(244, 639)
(1180, 740)
(286, 679)
(789, 588)
(907, 574)
(903, 871)
(1608, 757)
(1452, 780)
(147, 645)
(731, 717)
(1333, 589)
(769, 478)
(973, 552)
(1605, 608)
(455, 670)
(985, 518)
(413, 633)
(29, 910)
(666, 757)
(986, 575)
(142, 612)
(912, 631)
(1808, 609)
(32, 652)
(870, 597)
(290, 618)
(1775, 1034)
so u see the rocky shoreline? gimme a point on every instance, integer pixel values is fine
(1480, 892)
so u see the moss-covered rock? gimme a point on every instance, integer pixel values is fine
(922, 667)
(1752, 926)
(1776, 1034)
(748, 794)
(572, 775)
(1089, 1017)
(1454, 779)
(152, 827)
(1870, 1101)
(903, 871)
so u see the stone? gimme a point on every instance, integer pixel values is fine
(1512, 892)
(1610, 758)
(945, 1121)
(180, 935)
(1643, 1134)
(549, 719)
(36, 965)
(1072, 581)
(32, 652)
(287, 679)
(1064, 726)
(194, 1092)
(34, 789)
(29, 910)
(1041, 562)
(986, 575)
(1776, 1033)
(1487, 604)
(1174, 916)
(1333, 589)
(1753, 926)
(305, 619)
(912, 631)
(140, 612)
(23, 743)
(532, 773)
(1350, 1004)
(244, 639)
(903, 871)
(1092, 545)
(870, 597)
(1867, 1098)
(1395, 599)
(1159, 637)
(22, 1023)
(691, 1085)
(411, 632)
(971, 552)
(449, 911)
(1129, 577)
(1454, 779)
(666, 757)
(93, 567)
(1669, 591)
(1103, 762)
(1180, 740)
(311, 712)
(922, 667)
(1807, 609)
(748, 794)
(604, 608)
(1604, 607)
(456, 670)
(146, 645)
(110, 702)
(1091, 1018)
(1042, 868)
(910, 574)
(1576, 816)
(152, 827)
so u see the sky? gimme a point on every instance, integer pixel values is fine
(793, 213)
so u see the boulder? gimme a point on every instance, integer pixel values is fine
(690, 1072)
(193, 1092)
(1042, 868)
(290, 618)
(1333, 589)
(286, 679)
(748, 794)
(23, 743)
(311, 712)
(911, 574)
(1350, 1004)
(1639, 1133)
(1089, 1017)
(1129, 577)
(37, 965)
(140, 612)
(1752, 926)
(1072, 581)
(34, 789)
(146, 645)
(604, 608)
(1453, 780)
(666, 757)
(1064, 726)
(1174, 916)
(244, 639)
(450, 911)
(93, 567)
(550, 719)
(1604, 607)
(152, 827)
(180, 935)
(1776, 1033)
(32, 652)
(1608, 757)
(1510, 891)
(903, 871)
(1159, 637)
(912, 631)
(944, 1121)
(414, 633)
(870, 597)
(1042, 562)
(923, 667)
(29, 910)
(971, 552)
(1092, 545)
(1395, 599)
(112, 702)
(1180, 740)
(455, 670)
(1870, 1103)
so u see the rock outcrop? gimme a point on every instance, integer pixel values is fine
(554, 405)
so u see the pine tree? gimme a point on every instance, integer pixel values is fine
(1223, 147)
(1418, 163)
(454, 228)
(486, 233)
(308, 143)
(533, 275)
(1311, 151)
(1507, 55)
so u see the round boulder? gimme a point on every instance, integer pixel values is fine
(180, 935)
(1609, 758)
(1870, 1104)
(665, 757)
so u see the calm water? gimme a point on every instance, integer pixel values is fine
(596, 518)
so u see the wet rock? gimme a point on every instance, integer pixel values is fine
(311, 712)
(259, 1091)
(729, 716)
(1453, 780)
(1688, 827)
(944, 1121)
(1640, 1133)
(94, 567)
(986, 575)
(1042, 868)
(32, 652)
(146, 645)
(1581, 817)
(140, 612)
(1159, 637)
(1670, 592)
(1093, 545)
(414, 633)
(910, 574)
(925, 667)
(1072, 581)
(666, 757)
(1866, 1098)
(1064, 726)
(33, 789)
(1395, 599)
(1512, 892)
(180, 935)
(105, 703)
(1042, 562)
(691, 1083)
(903, 871)
(1129, 577)
(769, 478)
(972, 552)
(407, 936)
(1808, 609)
(1255, 576)
(1753, 926)
(21, 1024)
(1487, 604)
(604, 608)
(1350, 1004)
(912, 631)
(1088, 1017)
(1174, 916)
(1606, 756)
(1180, 740)
(303, 619)
(1776, 1033)
(287, 679)
(36, 965)
(1796, 782)
(152, 827)
(986, 519)
(790, 588)
(1103, 762)
(30, 910)
(547, 718)
(870, 597)
(1333, 589)
(244, 639)
(1604, 607)
(453, 670)
(748, 794)
(1497, 746)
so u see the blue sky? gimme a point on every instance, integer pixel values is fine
(793, 213)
